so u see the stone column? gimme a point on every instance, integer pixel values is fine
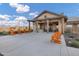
(59, 26)
(34, 27)
(74, 28)
(47, 25)
(63, 25)
(37, 26)
(29, 25)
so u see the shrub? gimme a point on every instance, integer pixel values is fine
(77, 39)
(68, 31)
(4, 33)
(75, 43)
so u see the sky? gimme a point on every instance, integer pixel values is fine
(15, 13)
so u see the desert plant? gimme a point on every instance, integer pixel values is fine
(77, 39)
(4, 33)
(75, 43)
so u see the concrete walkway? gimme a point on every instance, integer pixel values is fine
(34, 44)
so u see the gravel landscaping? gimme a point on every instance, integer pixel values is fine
(72, 40)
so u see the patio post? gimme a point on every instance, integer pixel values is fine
(74, 28)
(59, 26)
(34, 27)
(37, 26)
(47, 25)
(63, 25)
(29, 25)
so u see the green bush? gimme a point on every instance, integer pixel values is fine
(4, 33)
(68, 32)
(77, 39)
(75, 43)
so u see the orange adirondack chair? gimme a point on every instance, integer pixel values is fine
(56, 37)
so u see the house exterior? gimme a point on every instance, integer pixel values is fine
(49, 22)
(75, 27)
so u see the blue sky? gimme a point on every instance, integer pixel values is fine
(27, 11)
(68, 9)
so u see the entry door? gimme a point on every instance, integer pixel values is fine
(54, 27)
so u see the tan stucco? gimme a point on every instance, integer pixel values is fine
(47, 21)
(48, 15)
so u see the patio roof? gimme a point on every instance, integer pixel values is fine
(73, 22)
(59, 16)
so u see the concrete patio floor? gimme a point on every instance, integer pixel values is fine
(34, 44)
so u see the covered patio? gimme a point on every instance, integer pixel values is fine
(49, 22)
(75, 27)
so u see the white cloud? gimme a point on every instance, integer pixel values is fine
(18, 21)
(12, 23)
(22, 21)
(21, 18)
(15, 16)
(14, 5)
(20, 8)
(5, 17)
(34, 14)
